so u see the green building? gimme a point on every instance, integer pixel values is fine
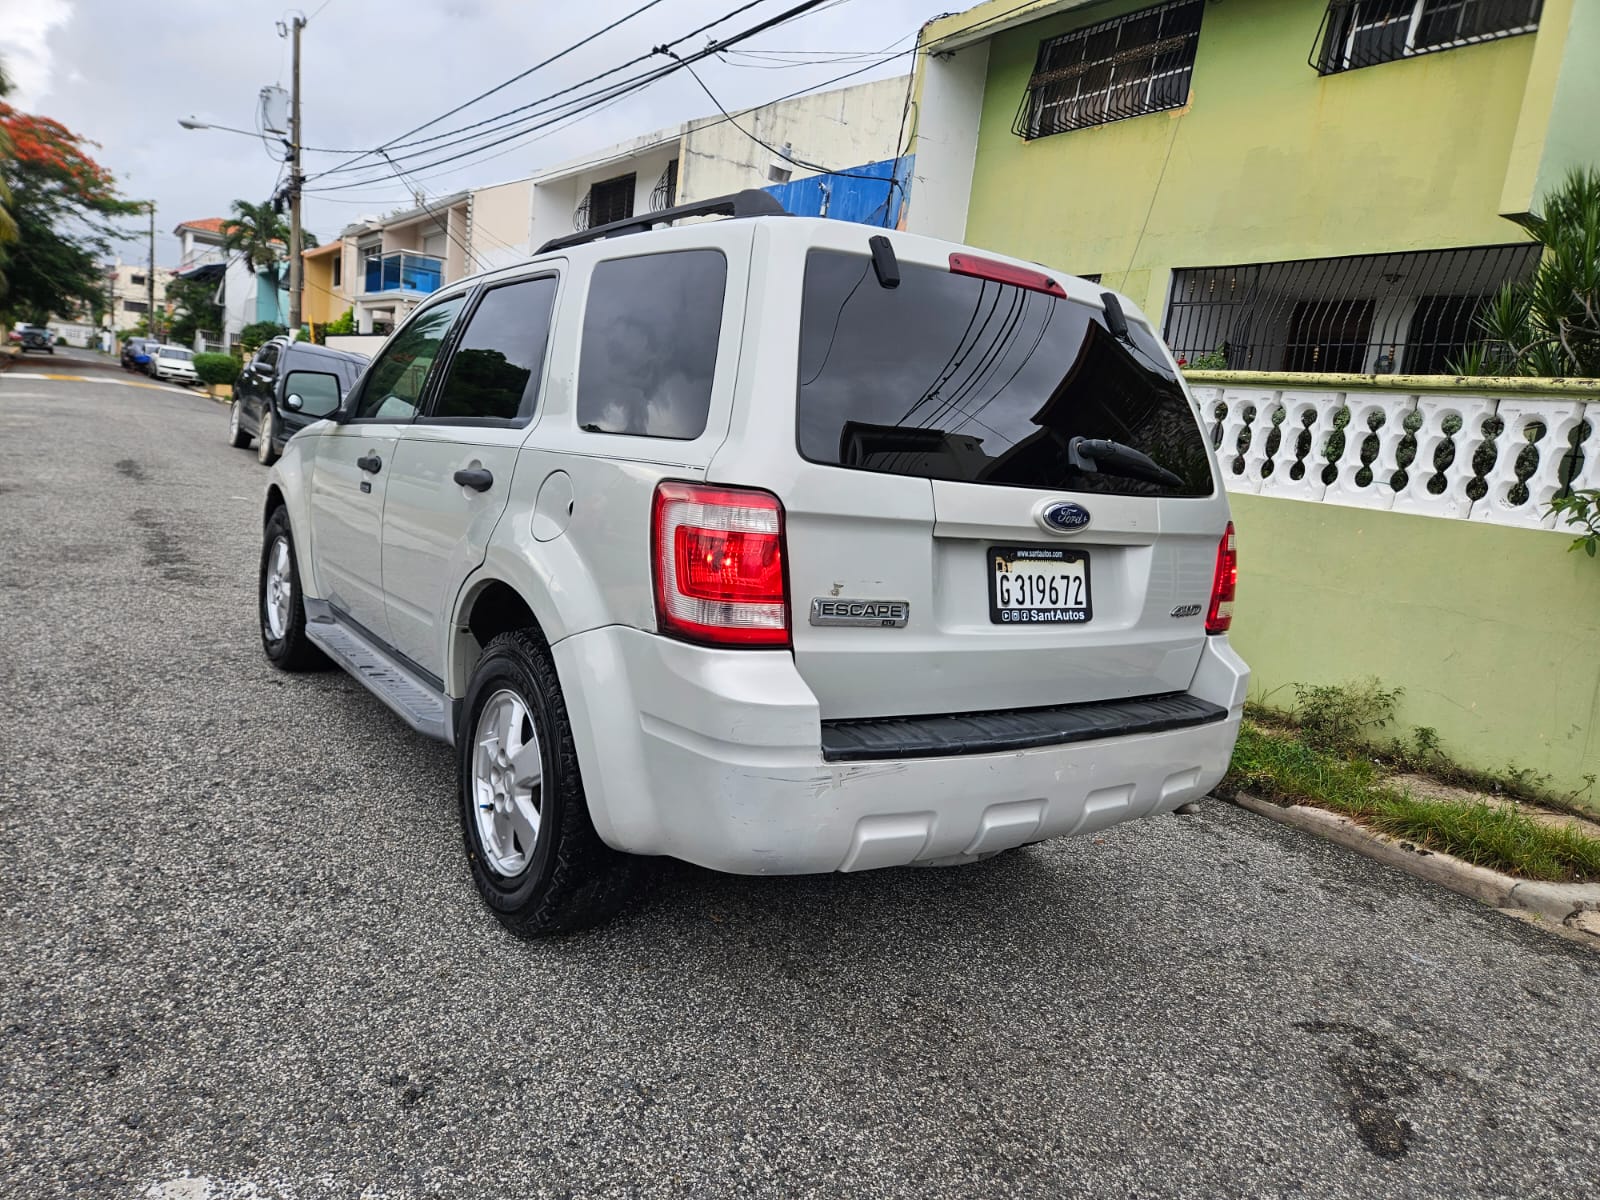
(1303, 185)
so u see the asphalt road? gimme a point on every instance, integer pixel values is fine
(241, 955)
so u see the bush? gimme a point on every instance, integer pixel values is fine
(343, 324)
(1549, 324)
(216, 368)
(252, 336)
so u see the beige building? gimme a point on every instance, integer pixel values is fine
(128, 295)
(389, 265)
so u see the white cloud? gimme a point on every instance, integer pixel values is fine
(25, 29)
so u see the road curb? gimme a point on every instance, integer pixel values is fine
(1559, 903)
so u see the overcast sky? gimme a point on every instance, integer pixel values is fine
(122, 74)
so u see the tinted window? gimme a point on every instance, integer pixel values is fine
(494, 372)
(650, 337)
(951, 377)
(267, 356)
(394, 385)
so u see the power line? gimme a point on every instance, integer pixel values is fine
(577, 104)
(392, 142)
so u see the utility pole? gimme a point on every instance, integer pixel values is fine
(296, 265)
(150, 279)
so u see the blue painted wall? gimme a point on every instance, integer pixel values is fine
(847, 197)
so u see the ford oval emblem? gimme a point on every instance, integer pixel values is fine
(1064, 517)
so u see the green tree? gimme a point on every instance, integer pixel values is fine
(1550, 324)
(63, 208)
(195, 308)
(260, 235)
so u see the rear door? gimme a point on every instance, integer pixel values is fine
(946, 554)
(453, 467)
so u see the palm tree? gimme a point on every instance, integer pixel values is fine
(260, 235)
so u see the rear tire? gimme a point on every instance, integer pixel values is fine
(280, 608)
(515, 738)
(266, 452)
(237, 438)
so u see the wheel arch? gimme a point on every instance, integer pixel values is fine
(487, 607)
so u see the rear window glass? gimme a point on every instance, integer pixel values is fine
(650, 336)
(951, 377)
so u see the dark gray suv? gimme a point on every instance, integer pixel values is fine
(271, 407)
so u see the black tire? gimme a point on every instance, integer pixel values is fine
(266, 452)
(237, 437)
(572, 880)
(293, 651)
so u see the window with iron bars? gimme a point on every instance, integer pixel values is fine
(1364, 33)
(665, 194)
(1126, 67)
(1412, 313)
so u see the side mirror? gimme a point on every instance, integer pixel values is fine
(312, 393)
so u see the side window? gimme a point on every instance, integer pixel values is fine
(495, 370)
(267, 358)
(650, 336)
(318, 390)
(394, 384)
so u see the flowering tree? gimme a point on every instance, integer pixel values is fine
(62, 205)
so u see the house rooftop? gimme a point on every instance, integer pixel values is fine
(202, 225)
(432, 210)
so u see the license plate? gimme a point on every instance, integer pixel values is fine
(1038, 585)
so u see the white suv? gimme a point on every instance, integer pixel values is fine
(774, 544)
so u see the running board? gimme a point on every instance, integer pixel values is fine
(415, 700)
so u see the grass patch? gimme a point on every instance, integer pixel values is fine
(1277, 764)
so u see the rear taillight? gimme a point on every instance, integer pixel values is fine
(718, 556)
(1220, 615)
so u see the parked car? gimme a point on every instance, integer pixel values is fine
(36, 337)
(135, 353)
(265, 409)
(778, 545)
(174, 363)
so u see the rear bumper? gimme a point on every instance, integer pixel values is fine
(715, 757)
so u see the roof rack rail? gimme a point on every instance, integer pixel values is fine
(749, 203)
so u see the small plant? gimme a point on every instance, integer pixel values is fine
(1341, 716)
(1425, 743)
(1582, 510)
(216, 368)
(341, 325)
(1548, 325)
(1213, 360)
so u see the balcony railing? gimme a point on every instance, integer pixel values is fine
(404, 272)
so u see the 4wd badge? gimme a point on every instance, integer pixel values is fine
(878, 614)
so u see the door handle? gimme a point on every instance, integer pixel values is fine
(478, 479)
(370, 463)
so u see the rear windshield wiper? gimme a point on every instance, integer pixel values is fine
(1106, 457)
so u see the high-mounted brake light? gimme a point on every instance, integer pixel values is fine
(1002, 272)
(1220, 615)
(718, 557)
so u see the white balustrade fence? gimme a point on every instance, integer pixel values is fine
(1478, 457)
